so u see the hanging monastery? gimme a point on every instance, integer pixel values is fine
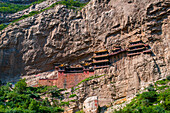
(70, 75)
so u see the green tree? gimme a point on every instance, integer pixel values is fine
(33, 105)
(20, 86)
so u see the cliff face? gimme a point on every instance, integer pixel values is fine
(32, 45)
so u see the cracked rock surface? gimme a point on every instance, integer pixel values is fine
(32, 45)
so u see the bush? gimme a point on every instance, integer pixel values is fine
(162, 82)
(2, 26)
(26, 99)
(64, 103)
(72, 100)
(90, 78)
(13, 8)
(151, 87)
(20, 86)
(73, 95)
(156, 100)
(33, 105)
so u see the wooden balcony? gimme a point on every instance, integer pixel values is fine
(100, 56)
(100, 61)
(137, 49)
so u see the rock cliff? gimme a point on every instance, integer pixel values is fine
(32, 45)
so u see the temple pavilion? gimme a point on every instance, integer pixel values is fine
(101, 59)
(137, 47)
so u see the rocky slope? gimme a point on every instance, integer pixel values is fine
(32, 45)
(7, 18)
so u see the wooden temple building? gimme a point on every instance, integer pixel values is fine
(137, 47)
(70, 75)
(101, 59)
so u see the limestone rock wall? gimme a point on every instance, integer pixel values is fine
(32, 45)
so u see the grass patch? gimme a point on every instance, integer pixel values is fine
(64, 103)
(162, 87)
(90, 78)
(76, 89)
(72, 100)
(3, 26)
(162, 82)
(6, 7)
(73, 95)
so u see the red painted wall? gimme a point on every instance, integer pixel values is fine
(66, 80)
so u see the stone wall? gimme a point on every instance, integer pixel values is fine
(65, 80)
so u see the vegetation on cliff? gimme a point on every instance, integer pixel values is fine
(70, 4)
(11, 8)
(155, 100)
(23, 99)
(6, 7)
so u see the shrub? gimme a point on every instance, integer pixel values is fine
(151, 96)
(150, 88)
(2, 26)
(20, 86)
(13, 8)
(26, 100)
(153, 101)
(161, 82)
(64, 103)
(90, 78)
(33, 105)
(73, 95)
